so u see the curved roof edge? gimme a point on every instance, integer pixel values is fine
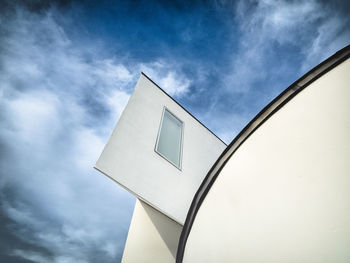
(182, 107)
(254, 124)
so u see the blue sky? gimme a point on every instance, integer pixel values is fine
(67, 69)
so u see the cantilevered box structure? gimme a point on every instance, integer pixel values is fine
(160, 153)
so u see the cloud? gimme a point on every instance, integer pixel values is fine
(63, 87)
(310, 29)
(30, 255)
(332, 35)
(60, 100)
(277, 42)
(57, 110)
(168, 77)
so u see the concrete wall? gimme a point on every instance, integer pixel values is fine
(129, 157)
(152, 236)
(284, 196)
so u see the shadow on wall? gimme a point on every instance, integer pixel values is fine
(168, 229)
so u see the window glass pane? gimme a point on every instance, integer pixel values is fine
(170, 136)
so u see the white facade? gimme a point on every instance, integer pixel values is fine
(135, 158)
(152, 237)
(130, 159)
(283, 195)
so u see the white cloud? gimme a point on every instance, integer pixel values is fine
(34, 115)
(167, 77)
(332, 35)
(117, 101)
(273, 43)
(58, 109)
(312, 29)
(59, 104)
(174, 85)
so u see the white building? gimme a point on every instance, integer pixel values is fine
(278, 193)
(160, 153)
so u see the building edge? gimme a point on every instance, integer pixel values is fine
(141, 198)
(269, 110)
(183, 108)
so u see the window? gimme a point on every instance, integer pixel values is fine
(169, 141)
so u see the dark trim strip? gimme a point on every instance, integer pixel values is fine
(182, 107)
(249, 129)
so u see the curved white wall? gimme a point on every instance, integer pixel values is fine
(284, 196)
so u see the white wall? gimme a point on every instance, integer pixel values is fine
(152, 236)
(129, 157)
(284, 196)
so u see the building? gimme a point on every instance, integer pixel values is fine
(279, 192)
(160, 153)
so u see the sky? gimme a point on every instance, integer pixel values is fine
(67, 69)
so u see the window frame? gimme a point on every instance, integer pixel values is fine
(181, 141)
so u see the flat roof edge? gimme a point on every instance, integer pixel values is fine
(253, 125)
(182, 107)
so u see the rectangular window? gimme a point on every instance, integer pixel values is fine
(169, 142)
